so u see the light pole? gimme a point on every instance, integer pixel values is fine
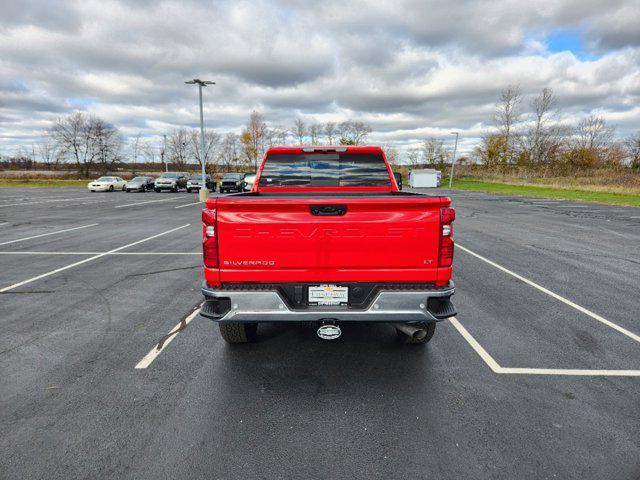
(203, 192)
(164, 150)
(453, 160)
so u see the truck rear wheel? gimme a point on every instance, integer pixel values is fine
(238, 332)
(430, 327)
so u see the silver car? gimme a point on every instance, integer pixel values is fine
(195, 181)
(140, 184)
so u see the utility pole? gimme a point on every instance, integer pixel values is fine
(162, 152)
(453, 160)
(203, 192)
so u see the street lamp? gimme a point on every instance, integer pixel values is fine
(203, 192)
(453, 160)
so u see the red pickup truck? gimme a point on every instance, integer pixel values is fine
(326, 237)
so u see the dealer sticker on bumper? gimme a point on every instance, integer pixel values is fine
(328, 295)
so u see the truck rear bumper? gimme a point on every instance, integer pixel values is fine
(268, 305)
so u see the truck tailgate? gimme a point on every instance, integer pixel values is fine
(376, 238)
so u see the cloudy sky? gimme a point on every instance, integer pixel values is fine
(410, 68)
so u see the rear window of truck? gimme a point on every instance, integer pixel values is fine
(325, 170)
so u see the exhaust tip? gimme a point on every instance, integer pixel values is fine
(329, 332)
(419, 334)
(415, 332)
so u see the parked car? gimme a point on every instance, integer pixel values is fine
(140, 184)
(232, 182)
(173, 181)
(195, 181)
(326, 237)
(107, 184)
(248, 181)
(398, 177)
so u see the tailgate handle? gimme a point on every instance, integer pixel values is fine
(326, 210)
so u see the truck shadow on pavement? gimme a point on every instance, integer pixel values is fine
(291, 360)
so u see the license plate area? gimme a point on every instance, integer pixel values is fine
(328, 295)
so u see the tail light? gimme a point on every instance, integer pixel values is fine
(209, 238)
(445, 253)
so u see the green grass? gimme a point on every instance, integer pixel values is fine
(545, 192)
(43, 183)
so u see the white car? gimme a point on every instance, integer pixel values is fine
(107, 184)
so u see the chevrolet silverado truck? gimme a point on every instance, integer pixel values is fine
(326, 237)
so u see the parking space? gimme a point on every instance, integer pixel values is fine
(536, 377)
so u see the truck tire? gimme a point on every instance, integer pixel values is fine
(430, 327)
(238, 332)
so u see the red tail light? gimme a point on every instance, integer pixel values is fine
(445, 253)
(209, 238)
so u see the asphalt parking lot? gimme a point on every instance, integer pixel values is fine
(537, 377)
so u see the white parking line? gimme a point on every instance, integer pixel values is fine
(157, 350)
(3, 223)
(188, 205)
(100, 253)
(564, 300)
(95, 257)
(150, 201)
(488, 359)
(43, 201)
(496, 368)
(47, 234)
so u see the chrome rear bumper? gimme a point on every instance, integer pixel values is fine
(269, 306)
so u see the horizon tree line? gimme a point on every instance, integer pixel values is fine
(535, 138)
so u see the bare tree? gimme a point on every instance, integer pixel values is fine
(353, 133)
(49, 151)
(229, 152)
(433, 151)
(315, 130)
(299, 130)
(211, 141)
(414, 157)
(592, 133)
(506, 116)
(71, 136)
(330, 132)
(254, 136)
(541, 105)
(632, 147)
(107, 143)
(393, 157)
(178, 147)
(26, 156)
(134, 146)
(150, 152)
(87, 139)
(275, 136)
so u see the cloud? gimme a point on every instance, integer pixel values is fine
(410, 68)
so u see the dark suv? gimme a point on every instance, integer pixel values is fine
(173, 181)
(232, 182)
